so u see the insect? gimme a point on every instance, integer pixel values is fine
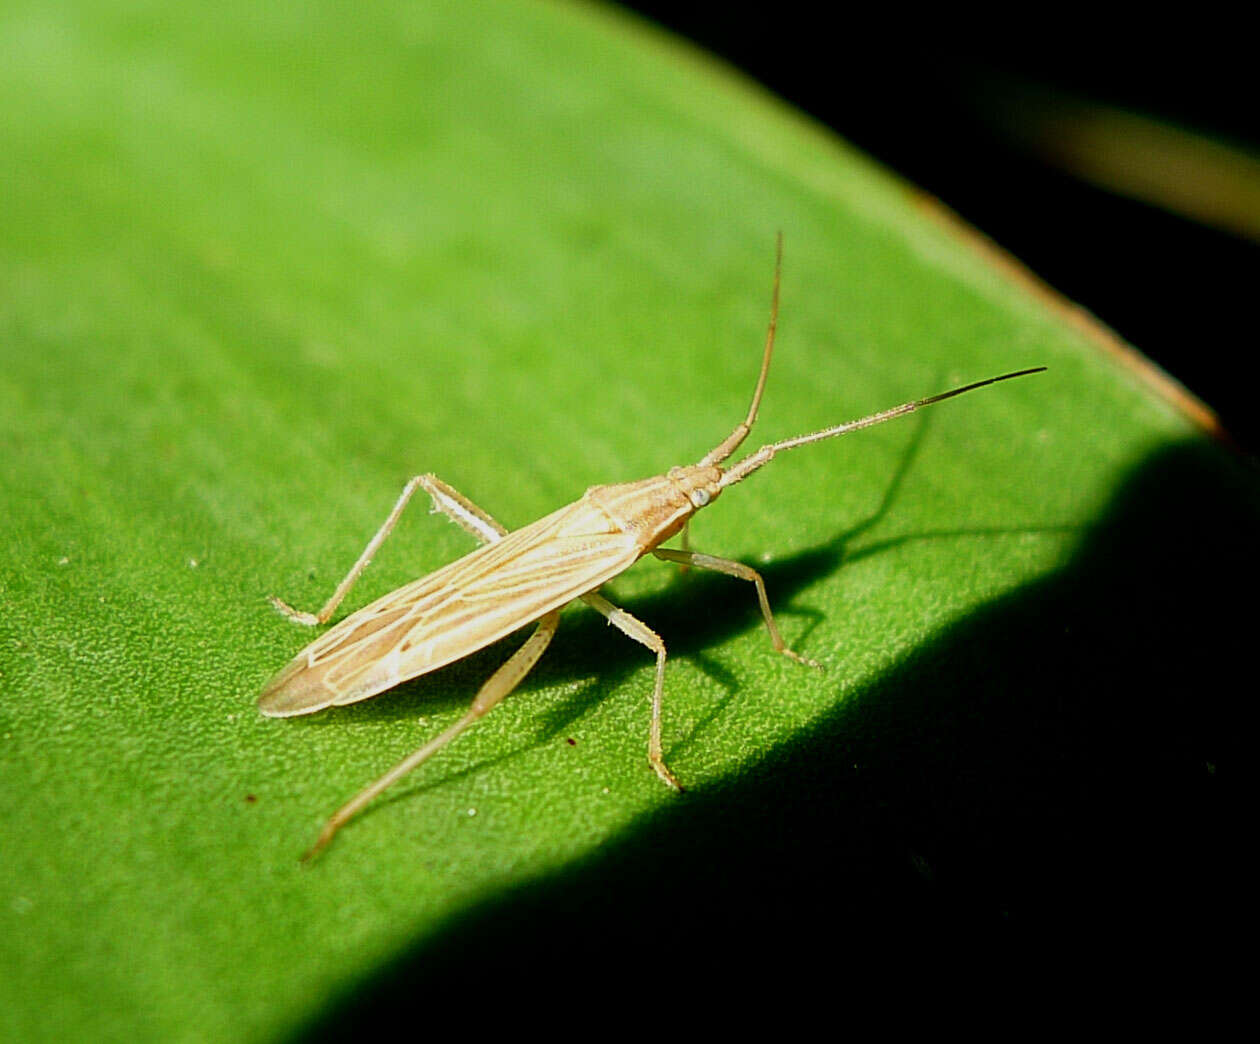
(525, 577)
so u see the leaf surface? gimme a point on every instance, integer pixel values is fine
(260, 266)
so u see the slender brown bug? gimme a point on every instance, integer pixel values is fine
(525, 577)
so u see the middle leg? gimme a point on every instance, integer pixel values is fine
(446, 499)
(635, 628)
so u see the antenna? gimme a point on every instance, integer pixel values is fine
(764, 455)
(731, 443)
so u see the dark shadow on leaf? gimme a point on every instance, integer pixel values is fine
(1059, 767)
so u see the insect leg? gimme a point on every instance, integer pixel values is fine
(743, 572)
(460, 510)
(502, 682)
(634, 628)
(447, 500)
(684, 539)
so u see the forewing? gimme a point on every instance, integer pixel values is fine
(453, 612)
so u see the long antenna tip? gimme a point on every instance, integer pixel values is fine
(977, 384)
(1017, 373)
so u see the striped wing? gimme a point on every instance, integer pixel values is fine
(455, 611)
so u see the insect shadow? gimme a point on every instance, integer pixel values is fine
(694, 612)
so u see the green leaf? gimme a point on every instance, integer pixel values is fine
(262, 264)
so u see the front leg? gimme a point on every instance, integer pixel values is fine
(446, 499)
(743, 572)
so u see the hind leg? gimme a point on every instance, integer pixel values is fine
(501, 683)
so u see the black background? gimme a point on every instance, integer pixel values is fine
(918, 95)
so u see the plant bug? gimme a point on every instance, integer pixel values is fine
(526, 576)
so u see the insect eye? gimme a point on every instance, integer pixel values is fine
(699, 497)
